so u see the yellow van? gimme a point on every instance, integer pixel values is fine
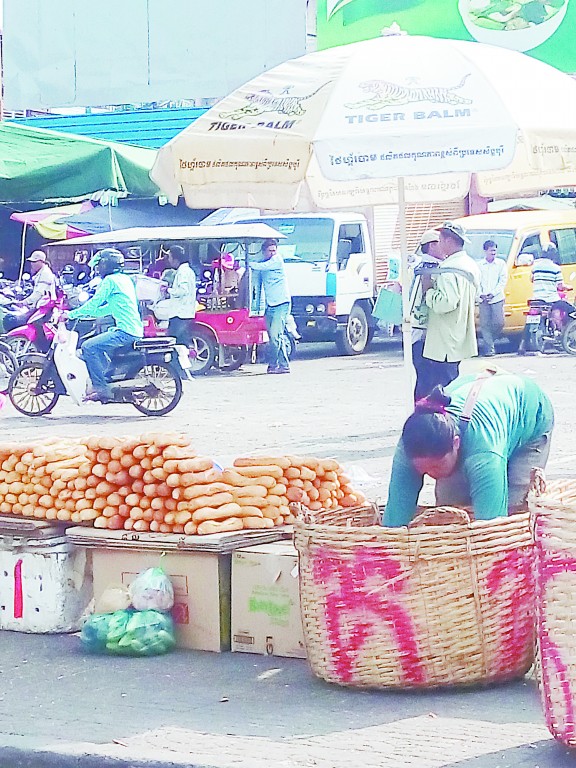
(519, 235)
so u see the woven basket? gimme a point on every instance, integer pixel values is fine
(554, 519)
(444, 602)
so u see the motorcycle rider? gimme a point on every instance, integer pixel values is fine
(115, 296)
(43, 280)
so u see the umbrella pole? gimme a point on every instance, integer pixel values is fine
(405, 280)
(22, 253)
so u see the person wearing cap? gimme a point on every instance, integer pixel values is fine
(43, 280)
(278, 301)
(493, 279)
(180, 306)
(115, 297)
(451, 300)
(427, 257)
(229, 276)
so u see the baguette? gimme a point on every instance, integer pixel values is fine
(257, 522)
(217, 500)
(224, 526)
(270, 470)
(232, 477)
(259, 461)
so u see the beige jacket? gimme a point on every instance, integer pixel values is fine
(451, 332)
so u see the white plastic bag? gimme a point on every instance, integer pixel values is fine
(152, 590)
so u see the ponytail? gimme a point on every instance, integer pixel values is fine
(431, 429)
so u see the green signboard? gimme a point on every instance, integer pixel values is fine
(542, 28)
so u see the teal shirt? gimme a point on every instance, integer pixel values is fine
(116, 296)
(510, 412)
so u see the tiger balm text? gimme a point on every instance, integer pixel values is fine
(381, 117)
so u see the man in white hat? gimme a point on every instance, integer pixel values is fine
(451, 299)
(43, 280)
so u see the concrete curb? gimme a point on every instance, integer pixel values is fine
(21, 757)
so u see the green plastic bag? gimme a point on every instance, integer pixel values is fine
(129, 633)
(388, 307)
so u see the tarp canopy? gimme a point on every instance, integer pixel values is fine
(39, 165)
(135, 213)
(51, 222)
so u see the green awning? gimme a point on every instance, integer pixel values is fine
(37, 165)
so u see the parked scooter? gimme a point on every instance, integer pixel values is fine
(146, 375)
(31, 330)
(546, 327)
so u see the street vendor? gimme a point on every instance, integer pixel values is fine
(479, 438)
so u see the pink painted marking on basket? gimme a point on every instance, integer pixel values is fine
(18, 592)
(552, 564)
(350, 592)
(519, 613)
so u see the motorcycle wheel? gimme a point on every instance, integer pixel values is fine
(160, 392)
(235, 358)
(534, 339)
(19, 345)
(8, 365)
(22, 391)
(569, 338)
(203, 351)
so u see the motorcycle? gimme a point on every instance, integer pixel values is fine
(30, 330)
(145, 375)
(8, 365)
(546, 327)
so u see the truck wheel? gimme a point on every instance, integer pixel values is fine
(353, 339)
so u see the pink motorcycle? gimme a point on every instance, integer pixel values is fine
(31, 330)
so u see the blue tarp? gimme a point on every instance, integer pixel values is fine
(136, 213)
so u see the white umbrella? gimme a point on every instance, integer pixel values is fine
(389, 120)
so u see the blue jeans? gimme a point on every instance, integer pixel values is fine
(276, 318)
(97, 353)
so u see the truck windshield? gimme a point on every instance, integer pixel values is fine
(502, 238)
(306, 239)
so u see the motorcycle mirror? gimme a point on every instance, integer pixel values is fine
(25, 276)
(83, 296)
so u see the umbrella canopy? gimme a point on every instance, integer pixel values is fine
(39, 165)
(336, 127)
(389, 120)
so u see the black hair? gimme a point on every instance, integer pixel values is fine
(178, 253)
(489, 244)
(430, 430)
(551, 252)
(425, 248)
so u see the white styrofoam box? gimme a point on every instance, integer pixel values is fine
(45, 584)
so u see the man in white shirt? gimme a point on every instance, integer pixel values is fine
(43, 279)
(493, 279)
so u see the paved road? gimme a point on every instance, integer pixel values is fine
(350, 408)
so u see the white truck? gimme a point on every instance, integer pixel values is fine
(337, 261)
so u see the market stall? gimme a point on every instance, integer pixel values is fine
(94, 512)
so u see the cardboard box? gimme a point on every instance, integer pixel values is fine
(201, 590)
(198, 566)
(266, 601)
